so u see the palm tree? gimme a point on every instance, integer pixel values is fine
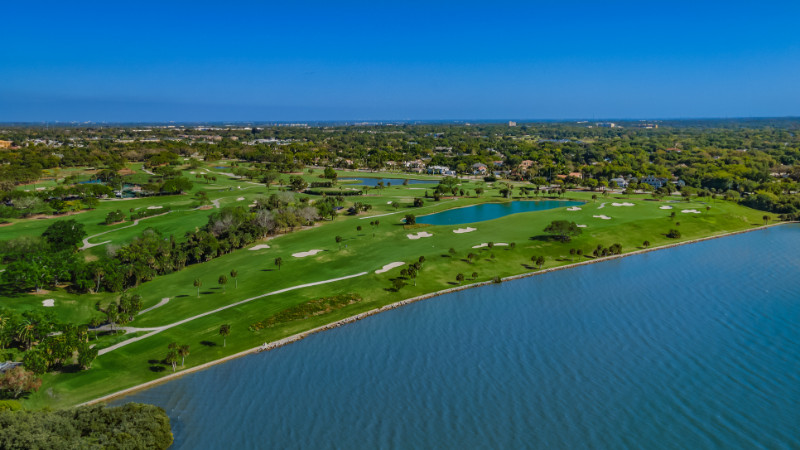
(25, 331)
(197, 283)
(183, 352)
(224, 331)
(233, 275)
(540, 261)
(339, 240)
(172, 358)
(460, 278)
(766, 219)
(646, 244)
(278, 262)
(223, 280)
(474, 275)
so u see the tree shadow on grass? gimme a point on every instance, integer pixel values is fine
(541, 238)
(206, 292)
(181, 296)
(208, 343)
(267, 270)
(157, 369)
(453, 283)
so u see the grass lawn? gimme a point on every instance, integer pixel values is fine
(360, 251)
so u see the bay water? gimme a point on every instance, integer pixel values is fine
(696, 347)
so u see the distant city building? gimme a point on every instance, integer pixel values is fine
(511, 123)
(607, 125)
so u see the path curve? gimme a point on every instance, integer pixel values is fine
(163, 302)
(87, 244)
(156, 330)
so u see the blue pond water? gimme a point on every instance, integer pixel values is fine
(692, 347)
(489, 211)
(395, 181)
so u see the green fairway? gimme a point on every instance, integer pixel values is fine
(363, 251)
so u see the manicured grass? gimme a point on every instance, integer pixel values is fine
(359, 252)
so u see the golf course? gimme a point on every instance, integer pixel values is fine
(305, 277)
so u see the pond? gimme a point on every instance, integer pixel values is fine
(489, 211)
(394, 181)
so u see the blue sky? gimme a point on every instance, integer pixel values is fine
(294, 61)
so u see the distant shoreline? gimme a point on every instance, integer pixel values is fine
(357, 317)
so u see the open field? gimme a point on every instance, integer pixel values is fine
(364, 251)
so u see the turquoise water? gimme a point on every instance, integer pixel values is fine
(395, 181)
(692, 347)
(489, 211)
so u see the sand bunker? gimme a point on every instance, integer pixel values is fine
(581, 226)
(622, 204)
(573, 208)
(49, 302)
(421, 234)
(308, 253)
(486, 244)
(240, 199)
(259, 247)
(154, 207)
(690, 211)
(602, 216)
(390, 266)
(665, 207)
(464, 230)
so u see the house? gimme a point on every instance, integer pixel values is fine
(5, 144)
(654, 181)
(620, 182)
(577, 175)
(525, 165)
(440, 170)
(479, 169)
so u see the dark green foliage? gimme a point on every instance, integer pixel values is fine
(411, 219)
(308, 309)
(674, 234)
(114, 217)
(132, 426)
(64, 234)
(563, 230)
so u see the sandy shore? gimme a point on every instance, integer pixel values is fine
(357, 317)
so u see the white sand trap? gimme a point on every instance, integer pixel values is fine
(390, 266)
(690, 211)
(308, 253)
(573, 208)
(486, 244)
(417, 189)
(421, 234)
(622, 204)
(240, 199)
(193, 172)
(49, 302)
(602, 216)
(252, 205)
(581, 226)
(259, 247)
(665, 207)
(465, 230)
(389, 202)
(154, 207)
(602, 205)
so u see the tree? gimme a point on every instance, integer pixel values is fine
(452, 251)
(474, 275)
(278, 262)
(18, 380)
(339, 240)
(86, 354)
(766, 219)
(222, 280)
(674, 234)
(397, 283)
(197, 283)
(172, 357)
(411, 219)
(537, 260)
(224, 331)
(35, 361)
(64, 235)
(234, 274)
(646, 244)
(183, 352)
(460, 278)
(563, 230)
(418, 202)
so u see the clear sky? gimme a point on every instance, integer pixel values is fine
(295, 61)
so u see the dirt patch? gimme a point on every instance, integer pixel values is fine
(56, 216)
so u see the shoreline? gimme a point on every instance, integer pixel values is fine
(348, 320)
